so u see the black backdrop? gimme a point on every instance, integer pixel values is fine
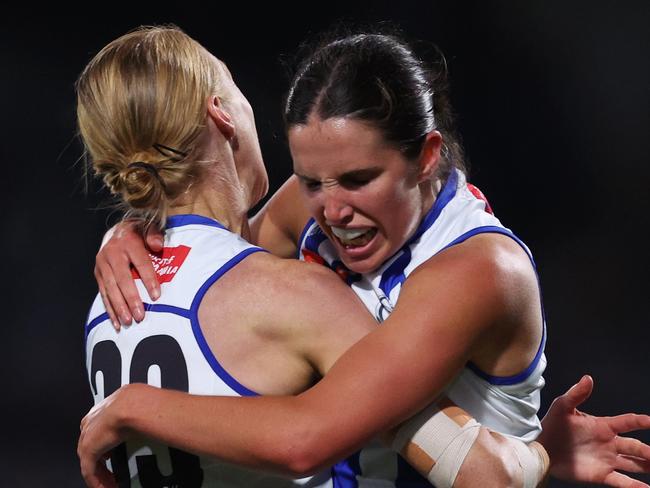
(554, 111)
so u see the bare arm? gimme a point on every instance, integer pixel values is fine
(336, 320)
(339, 414)
(449, 448)
(297, 435)
(278, 225)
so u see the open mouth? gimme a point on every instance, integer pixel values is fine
(354, 237)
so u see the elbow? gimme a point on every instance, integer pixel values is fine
(304, 453)
(305, 456)
(301, 464)
(311, 441)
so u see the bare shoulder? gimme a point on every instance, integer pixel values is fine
(307, 305)
(484, 284)
(297, 291)
(488, 290)
(289, 277)
(263, 324)
(279, 224)
(490, 263)
(505, 266)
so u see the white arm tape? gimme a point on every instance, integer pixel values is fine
(444, 441)
(531, 461)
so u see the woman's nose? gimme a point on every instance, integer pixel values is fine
(336, 211)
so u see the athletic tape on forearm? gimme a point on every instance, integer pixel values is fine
(444, 441)
(531, 460)
(446, 469)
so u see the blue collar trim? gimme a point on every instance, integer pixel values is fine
(190, 219)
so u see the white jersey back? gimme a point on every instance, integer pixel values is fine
(168, 349)
(506, 404)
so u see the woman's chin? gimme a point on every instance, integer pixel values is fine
(365, 260)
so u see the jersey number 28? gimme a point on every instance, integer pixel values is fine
(164, 352)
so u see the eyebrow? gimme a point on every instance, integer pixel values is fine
(360, 173)
(355, 173)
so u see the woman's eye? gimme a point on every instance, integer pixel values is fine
(354, 182)
(357, 179)
(312, 185)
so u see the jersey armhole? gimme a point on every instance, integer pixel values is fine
(198, 332)
(525, 374)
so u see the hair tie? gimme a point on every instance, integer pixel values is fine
(149, 168)
(164, 150)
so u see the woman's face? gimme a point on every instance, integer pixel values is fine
(362, 191)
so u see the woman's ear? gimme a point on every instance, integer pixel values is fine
(221, 118)
(430, 155)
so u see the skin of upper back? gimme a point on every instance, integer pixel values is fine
(277, 325)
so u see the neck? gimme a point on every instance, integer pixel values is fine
(430, 190)
(225, 203)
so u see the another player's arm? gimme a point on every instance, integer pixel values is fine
(278, 225)
(443, 442)
(449, 448)
(122, 248)
(301, 434)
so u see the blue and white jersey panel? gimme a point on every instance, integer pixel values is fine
(168, 349)
(508, 405)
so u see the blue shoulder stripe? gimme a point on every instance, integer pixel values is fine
(308, 225)
(196, 326)
(148, 307)
(521, 376)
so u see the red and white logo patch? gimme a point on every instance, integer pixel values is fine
(167, 263)
(312, 257)
(479, 194)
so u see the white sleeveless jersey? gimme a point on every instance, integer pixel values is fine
(168, 349)
(505, 404)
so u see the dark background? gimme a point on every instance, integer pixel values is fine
(554, 111)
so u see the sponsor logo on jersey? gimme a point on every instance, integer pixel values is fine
(479, 194)
(166, 263)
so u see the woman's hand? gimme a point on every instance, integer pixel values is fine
(100, 433)
(588, 449)
(126, 249)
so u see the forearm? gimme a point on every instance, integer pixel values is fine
(270, 433)
(448, 447)
(298, 435)
(293, 435)
(497, 461)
